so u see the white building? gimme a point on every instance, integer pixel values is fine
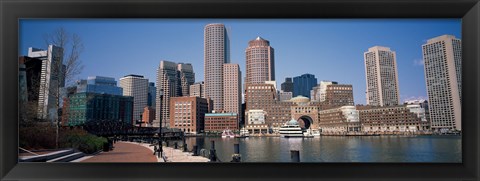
(256, 117)
(197, 90)
(136, 86)
(284, 96)
(217, 53)
(381, 77)
(417, 109)
(443, 59)
(52, 79)
(318, 93)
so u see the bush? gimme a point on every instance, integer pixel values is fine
(82, 141)
(37, 136)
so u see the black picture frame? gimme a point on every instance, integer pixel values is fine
(12, 11)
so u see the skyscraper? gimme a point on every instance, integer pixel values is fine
(173, 80)
(137, 87)
(260, 62)
(443, 57)
(382, 77)
(303, 84)
(52, 79)
(217, 53)
(232, 83)
(186, 78)
(152, 95)
(287, 86)
(167, 82)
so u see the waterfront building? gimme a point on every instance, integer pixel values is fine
(173, 80)
(303, 84)
(260, 64)
(152, 94)
(217, 122)
(339, 95)
(391, 119)
(256, 116)
(217, 53)
(99, 84)
(422, 103)
(287, 86)
(339, 120)
(188, 113)
(87, 106)
(284, 96)
(232, 82)
(381, 77)
(197, 90)
(442, 58)
(52, 78)
(186, 78)
(148, 115)
(136, 86)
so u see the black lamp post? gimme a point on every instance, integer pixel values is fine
(160, 142)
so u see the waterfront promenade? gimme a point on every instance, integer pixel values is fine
(141, 152)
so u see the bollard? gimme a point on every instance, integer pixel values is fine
(175, 145)
(295, 155)
(106, 147)
(236, 157)
(195, 150)
(185, 147)
(166, 143)
(213, 157)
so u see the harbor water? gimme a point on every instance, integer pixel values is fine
(438, 149)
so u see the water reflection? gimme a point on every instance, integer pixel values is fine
(338, 148)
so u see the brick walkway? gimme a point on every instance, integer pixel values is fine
(125, 152)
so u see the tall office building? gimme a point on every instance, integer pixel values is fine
(303, 84)
(382, 77)
(217, 53)
(52, 79)
(136, 86)
(287, 86)
(186, 78)
(99, 84)
(443, 57)
(197, 90)
(152, 94)
(260, 62)
(173, 80)
(232, 83)
(167, 82)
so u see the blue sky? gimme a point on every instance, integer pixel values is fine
(331, 49)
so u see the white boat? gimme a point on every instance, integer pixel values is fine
(312, 133)
(291, 129)
(227, 134)
(243, 133)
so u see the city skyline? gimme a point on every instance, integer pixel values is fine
(409, 56)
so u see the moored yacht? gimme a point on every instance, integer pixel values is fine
(291, 129)
(227, 134)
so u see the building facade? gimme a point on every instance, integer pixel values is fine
(443, 69)
(148, 115)
(52, 78)
(217, 122)
(284, 96)
(86, 106)
(339, 120)
(99, 84)
(303, 84)
(217, 53)
(232, 82)
(339, 95)
(382, 77)
(136, 86)
(287, 86)
(260, 65)
(391, 119)
(186, 77)
(188, 113)
(198, 90)
(152, 94)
